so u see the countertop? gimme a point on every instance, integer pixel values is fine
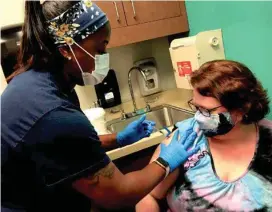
(175, 97)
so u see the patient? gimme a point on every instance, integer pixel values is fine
(233, 169)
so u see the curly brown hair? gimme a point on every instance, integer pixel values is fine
(234, 86)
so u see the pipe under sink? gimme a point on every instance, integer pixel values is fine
(164, 115)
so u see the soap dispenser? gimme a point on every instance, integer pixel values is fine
(152, 85)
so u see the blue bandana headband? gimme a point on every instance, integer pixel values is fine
(77, 23)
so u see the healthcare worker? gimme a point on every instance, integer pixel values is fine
(52, 158)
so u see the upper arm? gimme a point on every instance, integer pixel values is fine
(70, 155)
(108, 187)
(161, 189)
(103, 187)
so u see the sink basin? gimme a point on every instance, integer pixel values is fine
(164, 115)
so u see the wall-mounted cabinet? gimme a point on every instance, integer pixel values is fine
(135, 21)
(140, 12)
(115, 13)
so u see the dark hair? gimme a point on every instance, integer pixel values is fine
(235, 86)
(37, 49)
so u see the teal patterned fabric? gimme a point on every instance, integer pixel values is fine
(200, 189)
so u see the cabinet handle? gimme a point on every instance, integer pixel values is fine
(133, 8)
(117, 12)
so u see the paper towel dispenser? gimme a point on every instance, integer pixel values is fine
(188, 54)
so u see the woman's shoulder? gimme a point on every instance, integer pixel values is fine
(62, 122)
(68, 118)
(263, 159)
(31, 82)
(265, 135)
(30, 75)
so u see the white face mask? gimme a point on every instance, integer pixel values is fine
(102, 63)
(102, 66)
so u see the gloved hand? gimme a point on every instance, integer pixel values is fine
(191, 123)
(176, 152)
(135, 131)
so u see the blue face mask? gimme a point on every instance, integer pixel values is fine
(216, 124)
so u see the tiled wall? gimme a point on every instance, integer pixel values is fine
(122, 59)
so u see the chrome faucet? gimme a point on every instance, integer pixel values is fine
(136, 111)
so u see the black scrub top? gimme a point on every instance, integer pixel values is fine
(46, 144)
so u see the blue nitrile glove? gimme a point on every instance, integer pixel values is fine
(191, 123)
(176, 152)
(135, 131)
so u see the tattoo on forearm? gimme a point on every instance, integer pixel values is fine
(106, 172)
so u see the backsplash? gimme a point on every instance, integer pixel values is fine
(122, 59)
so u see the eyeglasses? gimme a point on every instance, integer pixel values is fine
(203, 111)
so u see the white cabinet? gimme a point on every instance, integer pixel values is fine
(11, 13)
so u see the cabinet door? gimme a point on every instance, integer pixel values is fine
(114, 11)
(138, 12)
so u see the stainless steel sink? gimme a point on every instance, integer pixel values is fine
(164, 115)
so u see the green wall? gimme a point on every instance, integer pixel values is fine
(247, 32)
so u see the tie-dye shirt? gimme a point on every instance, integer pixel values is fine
(200, 189)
